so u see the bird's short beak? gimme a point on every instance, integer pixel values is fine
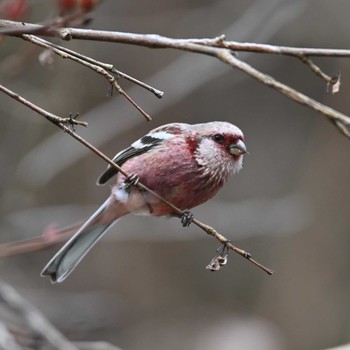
(238, 148)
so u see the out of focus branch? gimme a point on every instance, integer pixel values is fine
(216, 47)
(33, 318)
(50, 237)
(69, 130)
(341, 347)
(7, 340)
(34, 327)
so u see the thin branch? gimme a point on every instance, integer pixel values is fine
(49, 116)
(158, 41)
(315, 69)
(59, 22)
(211, 231)
(177, 210)
(284, 50)
(341, 120)
(111, 80)
(156, 92)
(218, 48)
(106, 66)
(75, 18)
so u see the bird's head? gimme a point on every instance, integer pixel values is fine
(219, 148)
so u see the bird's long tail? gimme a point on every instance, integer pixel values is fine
(69, 256)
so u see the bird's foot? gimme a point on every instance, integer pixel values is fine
(186, 218)
(131, 180)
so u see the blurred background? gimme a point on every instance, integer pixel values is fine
(145, 286)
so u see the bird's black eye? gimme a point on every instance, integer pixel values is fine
(218, 138)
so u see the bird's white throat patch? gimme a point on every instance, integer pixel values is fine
(216, 163)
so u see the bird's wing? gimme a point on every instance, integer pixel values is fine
(141, 146)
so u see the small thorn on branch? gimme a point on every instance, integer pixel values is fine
(220, 38)
(72, 120)
(333, 86)
(247, 255)
(65, 34)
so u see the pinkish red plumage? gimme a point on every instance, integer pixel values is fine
(186, 164)
(173, 171)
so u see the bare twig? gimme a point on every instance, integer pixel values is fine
(49, 116)
(216, 47)
(158, 41)
(341, 120)
(110, 78)
(106, 66)
(55, 120)
(317, 70)
(49, 25)
(211, 231)
(284, 50)
(220, 49)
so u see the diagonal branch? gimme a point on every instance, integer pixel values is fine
(57, 121)
(341, 120)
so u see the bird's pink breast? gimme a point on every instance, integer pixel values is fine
(171, 172)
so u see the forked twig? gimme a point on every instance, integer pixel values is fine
(64, 54)
(106, 66)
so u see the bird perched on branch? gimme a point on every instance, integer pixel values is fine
(185, 164)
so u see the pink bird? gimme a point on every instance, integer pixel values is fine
(186, 164)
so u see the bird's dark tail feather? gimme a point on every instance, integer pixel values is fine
(69, 256)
